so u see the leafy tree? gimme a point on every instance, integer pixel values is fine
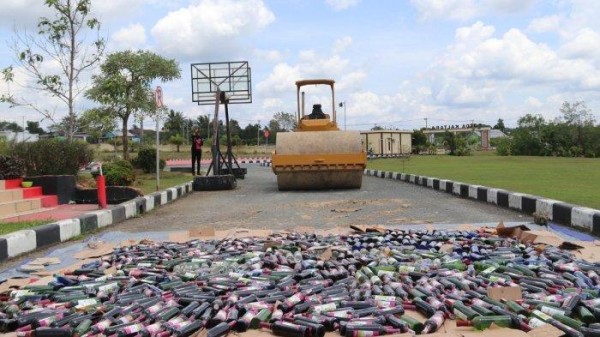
(377, 128)
(62, 39)
(500, 125)
(34, 128)
(124, 83)
(273, 129)
(419, 138)
(450, 141)
(250, 133)
(234, 127)
(579, 116)
(176, 140)
(10, 126)
(97, 122)
(287, 121)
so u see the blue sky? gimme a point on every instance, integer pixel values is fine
(395, 62)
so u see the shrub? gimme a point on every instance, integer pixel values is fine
(53, 156)
(119, 173)
(11, 167)
(146, 160)
(504, 147)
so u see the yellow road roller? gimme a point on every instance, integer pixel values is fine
(317, 155)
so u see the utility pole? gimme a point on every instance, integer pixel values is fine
(258, 134)
(425, 123)
(343, 104)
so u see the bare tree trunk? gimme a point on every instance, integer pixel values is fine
(125, 140)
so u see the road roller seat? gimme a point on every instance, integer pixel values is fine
(317, 112)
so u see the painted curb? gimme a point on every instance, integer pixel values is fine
(583, 218)
(24, 241)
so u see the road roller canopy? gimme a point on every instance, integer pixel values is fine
(328, 82)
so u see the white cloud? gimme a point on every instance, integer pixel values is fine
(585, 45)
(131, 37)
(282, 79)
(533, 102)
(271, 56)
(341, 44)
(460, 10)
(509, 6)
(272, 104)
(339, 5)
(464, 10)
(545, 24)
(210, 27)
(22, 13)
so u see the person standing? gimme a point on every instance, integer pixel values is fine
(197, 143)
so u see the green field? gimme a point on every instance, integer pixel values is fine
(573, 180)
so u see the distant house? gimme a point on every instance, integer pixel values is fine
(111, 135)
(497, 134)
(19, 136)
(387, 142)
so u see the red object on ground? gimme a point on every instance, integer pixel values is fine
(101, 183)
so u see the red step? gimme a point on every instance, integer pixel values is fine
(12, 183)
(32, 192)
(49, 201)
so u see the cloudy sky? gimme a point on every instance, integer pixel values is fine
(395, 62)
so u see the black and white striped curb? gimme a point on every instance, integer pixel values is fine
(24, 241)
(584, 218)
(266, 163)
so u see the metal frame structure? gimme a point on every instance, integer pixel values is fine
(234, 78)
(222, 83)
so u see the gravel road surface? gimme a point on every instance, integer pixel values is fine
(256, 203)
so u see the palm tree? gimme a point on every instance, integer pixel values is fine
(175, 122)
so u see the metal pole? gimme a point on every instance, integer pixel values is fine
(157, 154)
(344, 116)
(258, 134)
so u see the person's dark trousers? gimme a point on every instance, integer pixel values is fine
(196, 157)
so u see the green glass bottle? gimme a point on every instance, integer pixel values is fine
(412, 323)
(261, 317)
(484, 322)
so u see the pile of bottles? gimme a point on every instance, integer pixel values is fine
(364, 284)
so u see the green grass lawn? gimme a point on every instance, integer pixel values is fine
(573, 180)
(147, 181)
(10, 227)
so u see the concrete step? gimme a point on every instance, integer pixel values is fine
(36, 214)
(10, 195)
(10, 183)
(11, 208)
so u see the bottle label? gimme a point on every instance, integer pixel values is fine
(155, 308)
(488, 270)
(325, 307)
(536, 323)
(131, 329)
(364, 333)
(541, 315)
(109, 288)
(385, 272)
(551, 311)
(154, 328)
(102, 325)
(86, 303)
